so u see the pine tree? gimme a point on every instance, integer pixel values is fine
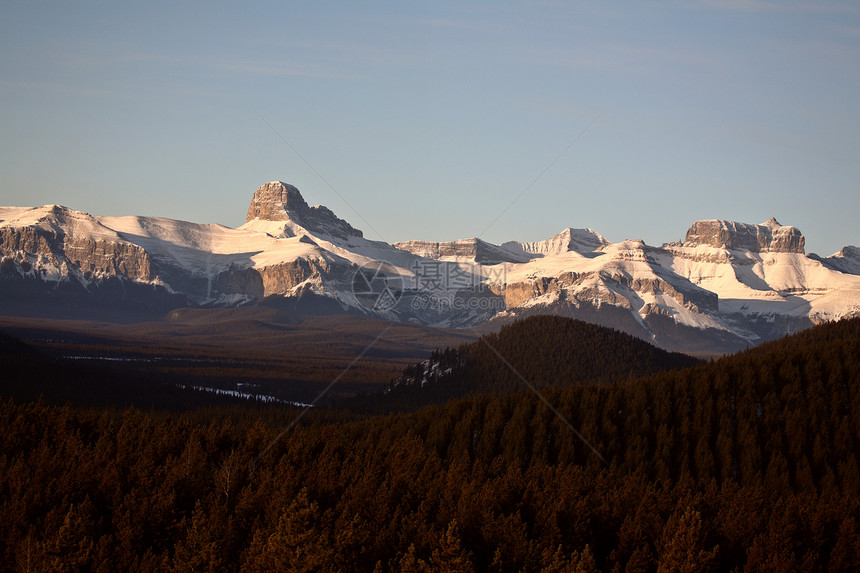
(450, 556)
(684, 549)
(298, 543)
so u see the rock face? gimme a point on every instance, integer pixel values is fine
(628, 276)
(727, 286)
(71, 243)
(584, 241)
(475, 249)
(769, 237)
(282, 278)
(277, 201)
(56, 262)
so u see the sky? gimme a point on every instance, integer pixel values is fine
(441, 120)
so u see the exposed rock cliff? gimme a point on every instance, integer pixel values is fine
(71, 244)
(277, 201)
(769, 237)
(728, 285)
(628, 275)
(475, 249)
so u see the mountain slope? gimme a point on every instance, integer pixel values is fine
(727, 286)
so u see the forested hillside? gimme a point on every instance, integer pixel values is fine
(747, 463)
(539, 351)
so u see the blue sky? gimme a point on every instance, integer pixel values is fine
(416, 120)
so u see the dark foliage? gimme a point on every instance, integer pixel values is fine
(539, 351)
(747, 463)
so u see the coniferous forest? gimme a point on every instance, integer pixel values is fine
(746, 463)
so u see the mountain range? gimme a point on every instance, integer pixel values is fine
(725, 287)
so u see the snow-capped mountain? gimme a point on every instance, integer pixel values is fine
(726, 286)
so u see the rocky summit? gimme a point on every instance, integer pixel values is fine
(769, 237)
(278, 201)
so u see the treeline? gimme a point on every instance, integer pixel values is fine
(748, 463)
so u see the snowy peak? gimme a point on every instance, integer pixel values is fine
(278, 201)
(56, 219)
(768, 237)
(582, 241)
(845, 261)
(56, 243)
(729, 285)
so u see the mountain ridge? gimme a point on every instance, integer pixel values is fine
(727, 286)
